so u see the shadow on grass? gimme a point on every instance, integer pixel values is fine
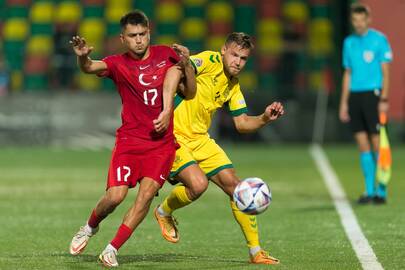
(159, 260)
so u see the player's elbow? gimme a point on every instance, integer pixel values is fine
(190, 92)
(241, 128)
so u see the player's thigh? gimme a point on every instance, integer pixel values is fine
(370, 112)
(227, 180)
(124, 168)
(357, 121)
(156, 165)
(212, 158)
(182, 160)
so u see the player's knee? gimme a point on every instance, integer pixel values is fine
(199, 186)
(115, 199)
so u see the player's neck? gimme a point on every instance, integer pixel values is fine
(140, 56)
(229, 76)
(363, 33)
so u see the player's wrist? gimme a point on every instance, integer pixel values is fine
(383, 99)
(265, 118)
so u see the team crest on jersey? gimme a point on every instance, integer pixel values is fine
(198, 62)
(226, 92)
(368, 56)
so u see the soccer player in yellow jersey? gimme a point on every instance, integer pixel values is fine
(200, 158)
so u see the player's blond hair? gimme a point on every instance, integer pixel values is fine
(240, 38)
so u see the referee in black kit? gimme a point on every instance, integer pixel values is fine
(366, 58)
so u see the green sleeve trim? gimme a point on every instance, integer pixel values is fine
(217, 170)
(214, 57)
(194, 66)
(239, 111)
(177, 100)
(174, 173)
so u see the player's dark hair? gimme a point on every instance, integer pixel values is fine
(134, 17)
(358, 8)
(240, 38)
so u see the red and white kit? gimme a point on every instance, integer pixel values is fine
(139, 151)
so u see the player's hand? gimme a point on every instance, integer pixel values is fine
(184, 54)
(273, 111)
(383, 106)
(80, 47)
(344, 113)
(162, 122)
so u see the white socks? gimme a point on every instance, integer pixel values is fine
(254, 250)
(110, 247)
(89, 230)
(162, 212)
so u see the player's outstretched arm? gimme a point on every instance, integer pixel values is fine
(85, 63)
(247, 124)
(188, 87)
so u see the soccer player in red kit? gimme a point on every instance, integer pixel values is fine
(146, 78)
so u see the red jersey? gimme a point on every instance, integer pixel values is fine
(140, 85)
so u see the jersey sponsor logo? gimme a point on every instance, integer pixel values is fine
(141, 81)
(368, 56)
(161, 64)
(144, 67)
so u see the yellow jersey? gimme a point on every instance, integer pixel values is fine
(192, 118)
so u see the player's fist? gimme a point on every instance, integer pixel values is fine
(162, 122)
(344, 113)
(184, 54)
(80, 47)
(273, 111)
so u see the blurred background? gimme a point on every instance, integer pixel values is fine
(46, 100)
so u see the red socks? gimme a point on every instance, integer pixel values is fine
(123, 233)
(94, 220)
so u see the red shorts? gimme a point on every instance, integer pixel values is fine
(130, 164)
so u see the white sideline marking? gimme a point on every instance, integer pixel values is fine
(359, 242)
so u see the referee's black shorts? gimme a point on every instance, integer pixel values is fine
(363, 111)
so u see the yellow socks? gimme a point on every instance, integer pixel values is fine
(248, 224)
(177, 199)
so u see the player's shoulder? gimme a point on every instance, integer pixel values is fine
(377, 34)
(349, 39)
(162, 49)
(211, 56)
(164, 52)
(211, 60)
(115, 57)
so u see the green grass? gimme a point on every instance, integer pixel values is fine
(45, 195)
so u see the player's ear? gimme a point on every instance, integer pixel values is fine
(122, 38)
(223, 49)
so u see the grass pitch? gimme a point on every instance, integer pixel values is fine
(45, 195)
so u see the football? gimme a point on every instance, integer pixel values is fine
(252, 196)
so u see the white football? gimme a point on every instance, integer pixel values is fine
(252, 196)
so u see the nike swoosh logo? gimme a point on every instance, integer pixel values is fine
(161, 177)
(144, 67)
